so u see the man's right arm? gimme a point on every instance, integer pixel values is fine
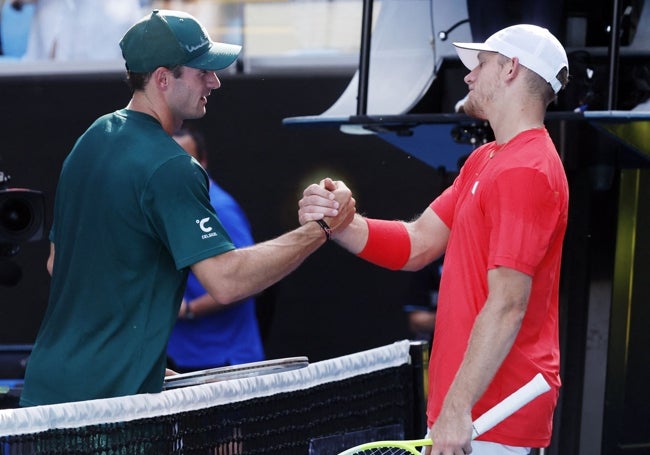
(240, 273)
(420, 241)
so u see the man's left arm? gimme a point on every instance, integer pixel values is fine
(50, 260)
(492, 337)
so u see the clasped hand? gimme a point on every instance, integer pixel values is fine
(329, 200)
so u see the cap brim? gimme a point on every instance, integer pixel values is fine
(468, 53)
(220, 56)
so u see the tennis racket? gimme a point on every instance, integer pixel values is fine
(498, 413)
(245, 370)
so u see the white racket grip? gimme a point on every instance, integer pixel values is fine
(510, 405)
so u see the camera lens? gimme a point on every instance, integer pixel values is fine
(21, 215)
(15, 215)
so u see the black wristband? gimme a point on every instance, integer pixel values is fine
(325, 227)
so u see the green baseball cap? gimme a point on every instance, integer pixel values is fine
(169, 38)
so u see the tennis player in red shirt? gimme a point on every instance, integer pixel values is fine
(500, 225)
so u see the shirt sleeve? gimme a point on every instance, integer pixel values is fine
(178, 208)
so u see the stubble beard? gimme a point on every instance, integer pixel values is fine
(471, 108)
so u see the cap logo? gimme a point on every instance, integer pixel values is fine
(204, 42)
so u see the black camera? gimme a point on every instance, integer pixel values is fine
(22, 214)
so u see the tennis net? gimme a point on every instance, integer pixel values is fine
(321, 409)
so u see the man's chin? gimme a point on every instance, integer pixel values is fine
(470, 109)
(199, 113)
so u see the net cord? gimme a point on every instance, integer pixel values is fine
(123, 409)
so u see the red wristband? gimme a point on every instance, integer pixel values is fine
(388, 244)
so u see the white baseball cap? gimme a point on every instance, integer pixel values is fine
(535, 47)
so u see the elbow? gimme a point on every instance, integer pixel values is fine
(50, 265)
(223, 298)
(50, 260)
(515, 314)
(226, 277)
(227, 295)
(508, 314)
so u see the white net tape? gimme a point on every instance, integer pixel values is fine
(123, 409)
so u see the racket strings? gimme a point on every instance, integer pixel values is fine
(386, 451)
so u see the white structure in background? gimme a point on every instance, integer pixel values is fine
(68, 30)
(406, 51)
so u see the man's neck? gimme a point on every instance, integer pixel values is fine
(150, 105)
(513, 120)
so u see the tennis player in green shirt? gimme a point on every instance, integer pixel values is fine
(132, 216)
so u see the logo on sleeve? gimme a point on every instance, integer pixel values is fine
(203, 225)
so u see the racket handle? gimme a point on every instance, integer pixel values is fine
(510, 405)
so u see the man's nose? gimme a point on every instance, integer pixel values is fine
(215, 83)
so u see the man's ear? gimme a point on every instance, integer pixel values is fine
(161, 76)
(514, 67)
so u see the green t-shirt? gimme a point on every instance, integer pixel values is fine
(132, 213)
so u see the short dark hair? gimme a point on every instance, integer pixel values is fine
(537, 84)
(137, 81)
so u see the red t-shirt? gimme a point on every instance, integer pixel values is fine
(507, 207)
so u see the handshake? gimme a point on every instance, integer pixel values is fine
(330, 201)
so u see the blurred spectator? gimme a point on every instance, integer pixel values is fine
(422, 301)
(65, 30)
(208, 334)
(15, 21)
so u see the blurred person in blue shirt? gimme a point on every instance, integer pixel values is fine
(208, 334)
